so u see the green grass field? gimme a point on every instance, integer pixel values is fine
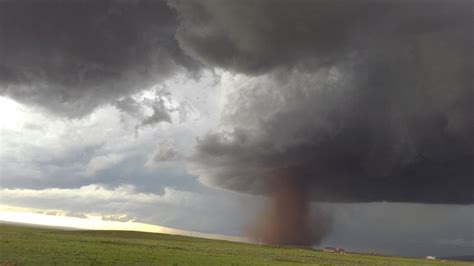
(40, 246)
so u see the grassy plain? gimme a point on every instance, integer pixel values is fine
(41, 246)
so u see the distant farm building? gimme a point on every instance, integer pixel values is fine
(334, 250)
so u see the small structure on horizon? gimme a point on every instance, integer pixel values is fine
(334, 250)
(430, 257)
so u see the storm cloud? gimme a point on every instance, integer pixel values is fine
(69, 57)
(360, 100)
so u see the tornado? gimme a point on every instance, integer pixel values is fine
(289, 218)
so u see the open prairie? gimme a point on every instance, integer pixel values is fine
(44, 246)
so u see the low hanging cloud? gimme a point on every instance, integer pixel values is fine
(69, 57)
(359, 101)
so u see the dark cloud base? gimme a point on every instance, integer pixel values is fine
(367, 100)
(69, 57)
(360, 100)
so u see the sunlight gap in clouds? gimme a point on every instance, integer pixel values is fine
(32, 217)
(12, 114)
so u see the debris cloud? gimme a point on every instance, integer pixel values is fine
(290, 218)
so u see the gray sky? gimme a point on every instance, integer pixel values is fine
(187, 114)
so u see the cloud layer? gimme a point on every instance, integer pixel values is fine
(71, 57)
(360, 101)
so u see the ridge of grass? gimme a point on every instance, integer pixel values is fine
(44, 246)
